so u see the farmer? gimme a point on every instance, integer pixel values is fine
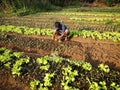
(60, 32)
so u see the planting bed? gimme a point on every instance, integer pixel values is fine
(93, 51)
(77, 49)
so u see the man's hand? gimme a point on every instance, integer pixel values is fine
(56, 39)
(53, 38)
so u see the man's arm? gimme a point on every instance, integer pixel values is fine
(59, 37)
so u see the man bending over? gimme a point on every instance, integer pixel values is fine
(60, 32)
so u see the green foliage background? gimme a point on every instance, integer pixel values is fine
(32, 6)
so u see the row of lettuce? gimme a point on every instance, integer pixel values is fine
(78, 23)
(94, 14)
(67, 72)
(113, 36)
(72, 19)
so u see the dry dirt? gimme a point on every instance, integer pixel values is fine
(8, 82)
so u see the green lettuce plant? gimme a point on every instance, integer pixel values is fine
(68, 77)
(87, 66)
(104, 68)
(17, 67)
(34, 84)
(18, 54)
(98, 86)
(43, 62)
(115, 86)
(47, 79)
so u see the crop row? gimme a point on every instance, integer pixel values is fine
(71, 25)
(114, 36)
(97, 20)
(44, 72)
(94, 14)
(43, 18)
(74, 20)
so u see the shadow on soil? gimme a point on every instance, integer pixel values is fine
(95, 63)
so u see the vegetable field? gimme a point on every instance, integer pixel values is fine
(31, 60)
(74, 20)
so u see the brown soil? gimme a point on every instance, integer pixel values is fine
(93, 51)
(8, 82)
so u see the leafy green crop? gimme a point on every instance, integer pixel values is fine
(17, 67)
(43, 60)
(2, 35)
(104, 68)
(115, 86)
(34, 84)
(98, 86)
(55, 57)
(47, 79)
(18, 54)
(42, 86)
(69, 77)
(94, 86)
(5, 56)
(44, 65)
(114, 36)
(87, 66)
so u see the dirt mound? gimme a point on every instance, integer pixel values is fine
(93, 51)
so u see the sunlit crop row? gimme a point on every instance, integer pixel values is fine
(114, 36)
